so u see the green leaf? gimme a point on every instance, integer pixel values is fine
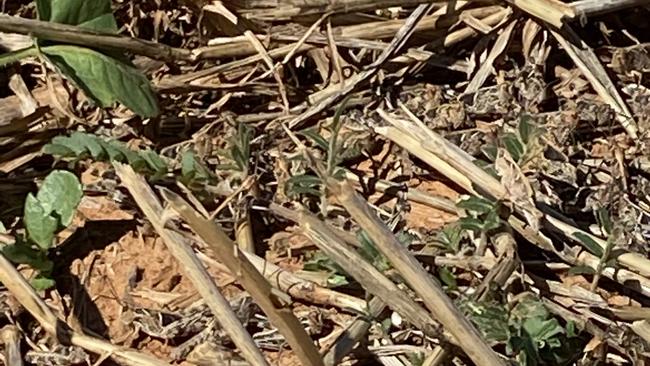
(105, 79)
(450, 236)
(155, 162)
(604, 220)
(477, 205)
(337, 280)
(114, 149)
(41, 283)
(571, 329)
(313, 135)
(513, 145)
(239, 158)
(76, 12)
(370, 252)
(61, 192)
(578, 270)
(490, 151)
(589, 243)
(58, 150)
(87, 142)
(528, 308)
(470, 223)
(188, 166)
(526, 128)
(542, 330)
(301, 184)
(44, 9)
(492, 221)
(447, 277)
(39, 224)
(491, 319)
(386, 324)
(77, 145)
(105, 22)
(22, 253)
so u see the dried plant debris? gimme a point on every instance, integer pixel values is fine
(485, 163)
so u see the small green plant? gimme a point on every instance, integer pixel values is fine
(523, 144)
(605, 255)
(105, 76)
(194, 175)
(483, 215)
(311, 184)
(450, 237)
(239, 150)
(530, 333)
(47, 213)
(80, 145)
(321, 262)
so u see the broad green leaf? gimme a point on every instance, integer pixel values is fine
(192, 169)
(571, 330)
(3, 229)
(105, 79)
(542, 330)
(105, 22)
(386, 324)
(88, 142)
(370, 252)
(136, 161)
(239, 157)
(76, 146)
(75, 12)
(19, 253)
(589, 243)
(39, 224)
(61, 192)
(476, 205)
(44, 9)
(188, 169)
(527, 352)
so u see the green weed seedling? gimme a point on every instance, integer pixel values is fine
(530, 333)
(47, 213)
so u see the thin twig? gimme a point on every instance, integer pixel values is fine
(85, 37)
